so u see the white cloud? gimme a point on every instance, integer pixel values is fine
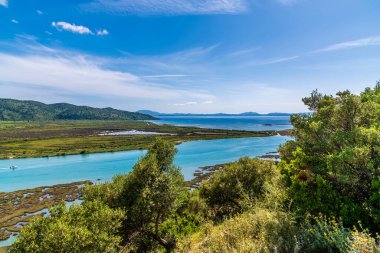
(370, 41)
(14, 21)
(56, 73)
(102, 32)
(71, 27)
(80, 29)
(169, 7)
(39, 12)
(193, 103)
(4, 3)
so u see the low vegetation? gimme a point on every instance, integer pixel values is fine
(22, 139)
(323, 196)
(19, 207)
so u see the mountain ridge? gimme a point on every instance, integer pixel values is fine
(19, 110)
(157, 114)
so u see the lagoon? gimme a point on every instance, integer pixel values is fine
(100, 167)
(248, 123)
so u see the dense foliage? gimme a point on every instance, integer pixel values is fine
(150, 195)
(240, 185)
(14, 110)
(333, 164)
(91, 227)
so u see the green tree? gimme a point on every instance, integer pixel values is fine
(332, 165)
(90, 227)
(150, 195)
(240, 185)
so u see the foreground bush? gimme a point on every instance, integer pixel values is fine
(259, 230)
(90, 227)
(321, 234)
(242, 184)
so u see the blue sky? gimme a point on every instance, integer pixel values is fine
(187, 56)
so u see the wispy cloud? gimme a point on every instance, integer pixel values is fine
(244, 52)
(288, 2)
(71, 27)
(165, 76)
(272, 61)
(186, 103)
(370, 41)
(79, 29)
(39, 12)
(4, 3)
(169, 7)
(193, 103)
(14, 21)
(58, 72)
(179, 64)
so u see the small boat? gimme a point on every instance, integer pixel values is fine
(13, 167)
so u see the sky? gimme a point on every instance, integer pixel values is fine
(200, 56)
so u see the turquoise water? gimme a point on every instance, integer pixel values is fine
(34, 172)
(249, 123)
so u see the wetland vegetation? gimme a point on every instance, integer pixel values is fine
(20, 139)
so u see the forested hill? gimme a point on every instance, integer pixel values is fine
(12, 109)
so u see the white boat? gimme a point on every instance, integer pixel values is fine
(13, 167)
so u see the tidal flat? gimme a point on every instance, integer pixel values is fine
(20, 207)
(58, 138)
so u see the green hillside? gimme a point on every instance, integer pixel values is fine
(15, 110)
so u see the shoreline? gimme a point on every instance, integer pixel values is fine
(17, 208)
(49, 139)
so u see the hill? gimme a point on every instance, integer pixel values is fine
(157, 114)
(15, 110)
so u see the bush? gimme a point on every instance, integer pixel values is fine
(90, 227)
(242, 184)
(258, 230)
(322, 234)
(332, 165)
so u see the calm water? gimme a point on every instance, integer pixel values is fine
(33, 172)
(249, 123)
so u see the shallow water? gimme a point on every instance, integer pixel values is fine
(34, 172)
(249, 123)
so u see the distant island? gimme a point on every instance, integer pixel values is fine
(158, 114)
(20, 110)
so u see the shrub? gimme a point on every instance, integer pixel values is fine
(332, 165)
(323, 234)
(242, 184)
(258, 230)
(90, 227)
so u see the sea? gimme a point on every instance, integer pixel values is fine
(249, 123)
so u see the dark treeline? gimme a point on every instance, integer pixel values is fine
(16, 110)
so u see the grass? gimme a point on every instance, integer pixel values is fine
(38, 139)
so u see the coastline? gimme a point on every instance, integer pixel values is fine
(61, 138)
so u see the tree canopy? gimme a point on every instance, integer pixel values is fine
(332, 165)
(90, 227)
